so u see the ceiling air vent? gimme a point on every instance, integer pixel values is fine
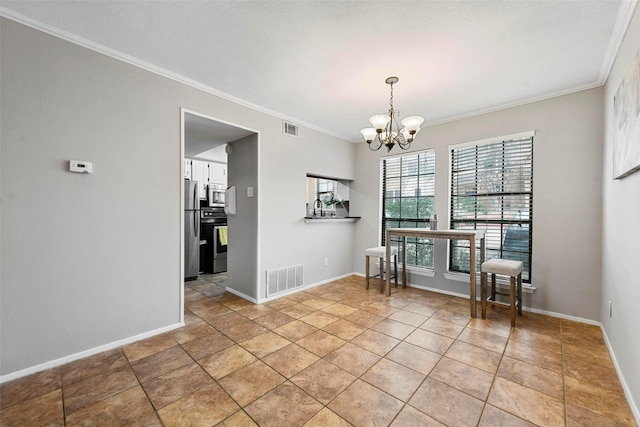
(290, 129)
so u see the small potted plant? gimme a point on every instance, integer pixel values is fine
(331, 200)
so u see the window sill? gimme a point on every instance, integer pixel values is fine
(417, 271)
(501, 284)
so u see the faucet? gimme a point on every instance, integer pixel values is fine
(317, 203)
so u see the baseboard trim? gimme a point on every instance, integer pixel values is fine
(524, 308)
(241, 295)
(627, 392)
(86, 353)
(562, 316)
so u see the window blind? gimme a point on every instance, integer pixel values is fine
(492, 190)
(408, 192)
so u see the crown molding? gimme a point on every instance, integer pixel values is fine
(136, 62)
(515, 104)
(625, 13)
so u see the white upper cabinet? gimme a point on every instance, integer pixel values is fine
(187, 169)
(200, 173)
(205, 173)
(218, 173)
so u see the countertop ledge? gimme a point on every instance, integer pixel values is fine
(316, 219)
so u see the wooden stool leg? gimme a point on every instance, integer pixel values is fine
(382, 283)
(395, 269)
(483, 294)
(512, 298)
(520, 294)
(493, 288)
(366, 269)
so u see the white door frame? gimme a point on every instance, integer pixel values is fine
(184, 111)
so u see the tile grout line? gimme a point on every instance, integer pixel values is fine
(64, 411)
(564, 385)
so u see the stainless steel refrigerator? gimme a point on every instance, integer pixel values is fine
(191, 230)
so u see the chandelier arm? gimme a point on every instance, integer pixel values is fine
(377, 138)
(404, 144)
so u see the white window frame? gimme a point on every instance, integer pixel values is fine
(414, 269)
(501, 283)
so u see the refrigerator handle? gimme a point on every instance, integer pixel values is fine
(195, 194)
(196, 224)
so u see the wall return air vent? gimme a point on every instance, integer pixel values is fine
(290, 129)
(284, 279)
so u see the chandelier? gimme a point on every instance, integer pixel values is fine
(385, 130)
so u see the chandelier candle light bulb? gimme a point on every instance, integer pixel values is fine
(383, 127)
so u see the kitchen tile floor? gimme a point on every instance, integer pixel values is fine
(334, 355)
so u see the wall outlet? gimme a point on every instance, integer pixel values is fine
(326, 261)
(610, 309)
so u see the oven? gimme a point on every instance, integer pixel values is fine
(213, 223)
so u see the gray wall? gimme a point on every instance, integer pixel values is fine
(567, 202)
(285, 239)
(621, 236)
(84, 266)
(242, 252)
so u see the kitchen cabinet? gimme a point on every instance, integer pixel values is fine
(205, 173)
(200, 173)
(187, 169)
(218, 173)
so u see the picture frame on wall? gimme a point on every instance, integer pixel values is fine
(626, 116)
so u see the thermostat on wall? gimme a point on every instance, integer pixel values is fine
(80, 166)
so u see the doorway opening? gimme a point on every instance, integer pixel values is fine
(207, 172)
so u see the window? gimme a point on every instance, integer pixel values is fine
(408, 190)
(324, 187)
(492, 190)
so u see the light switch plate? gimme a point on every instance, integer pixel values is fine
(249, 191)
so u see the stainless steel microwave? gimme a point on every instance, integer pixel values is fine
(215, 195)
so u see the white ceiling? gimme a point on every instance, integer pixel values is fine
(323, 63)
(206, 139)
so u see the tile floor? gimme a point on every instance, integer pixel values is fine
(334, 355)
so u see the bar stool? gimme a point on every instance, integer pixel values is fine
(504, 267)
(381, 253)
